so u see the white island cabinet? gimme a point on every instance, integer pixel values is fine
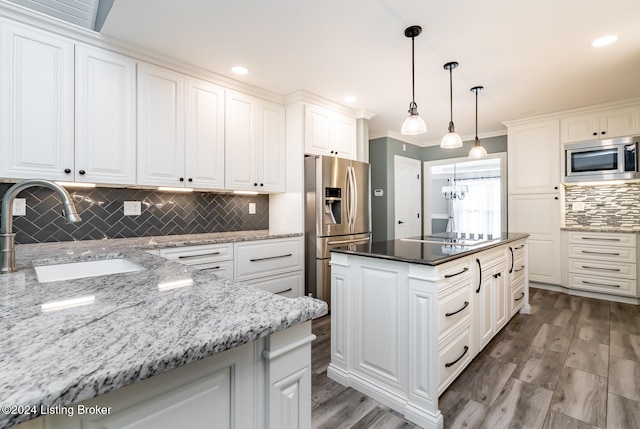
(264, 384)
(407, 318)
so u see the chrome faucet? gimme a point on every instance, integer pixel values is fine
(7, 237)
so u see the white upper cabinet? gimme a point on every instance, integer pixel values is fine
(534, 158)
(204, 156)
(255, 144)
(161, 132)
(36, 104)
(329, 133)
(180, 130)
(105, 149)
(600, 125)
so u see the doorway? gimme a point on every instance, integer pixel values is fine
(407, 197)
(479, 206)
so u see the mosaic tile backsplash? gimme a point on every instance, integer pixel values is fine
(163, 213)
(605, 205)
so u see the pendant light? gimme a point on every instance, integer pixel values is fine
(451, 140)
(477, 151)
(414, 124)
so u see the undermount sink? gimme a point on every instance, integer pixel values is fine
(79, 270)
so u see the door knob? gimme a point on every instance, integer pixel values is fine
(400, 222)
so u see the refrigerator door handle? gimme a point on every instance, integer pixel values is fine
(358, 240)
(354, 194)
(349, 199)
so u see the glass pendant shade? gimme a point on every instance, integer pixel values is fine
(451, 140)
(477, 151)
(414, 124)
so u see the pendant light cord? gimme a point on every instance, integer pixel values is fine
(451, 93)
(476, 91)
(413, 72)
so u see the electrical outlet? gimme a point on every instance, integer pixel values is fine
(578, 207)
(132, 208)
(20, 207)
(252, 208)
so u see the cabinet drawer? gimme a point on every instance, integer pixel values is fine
(517, 296)
(603, 239)
(192, 255)
(490, 258)
(222, 268)
(603, 253)
(517, 269)
(453, 357)
(602, 285)
(288, 285)
(454, 308)
(604, 269)
(453, 273)
(267, 257)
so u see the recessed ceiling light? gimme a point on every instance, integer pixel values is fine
(240, 70)
(605, 40)
(350, 99)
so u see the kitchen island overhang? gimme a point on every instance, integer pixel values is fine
(409, 316)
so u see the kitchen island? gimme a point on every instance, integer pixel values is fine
(167, 346)
(409, 315)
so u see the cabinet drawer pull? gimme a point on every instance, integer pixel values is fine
(283, 291)
(598, 284)
(600, 239)
(601, 269)
(479, 275)
(448, 276)
(198, 256)
(495, 276)
(450, 364)
(512, 261)
(520, 269)
(518, 299)
(271, 257)
(211, 268)
(600, 253)
(466, 303)
(519, 247)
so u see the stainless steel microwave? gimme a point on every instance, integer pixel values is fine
(611, 159)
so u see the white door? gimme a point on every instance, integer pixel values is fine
(105, 117)
(36, 104)
(407, 197)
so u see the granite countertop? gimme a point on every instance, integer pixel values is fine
(132, 329)
(414, 251)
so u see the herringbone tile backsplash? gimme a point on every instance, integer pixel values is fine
(163, 213)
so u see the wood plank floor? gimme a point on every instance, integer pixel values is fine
(574, 363)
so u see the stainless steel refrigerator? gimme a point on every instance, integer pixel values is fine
(336, 214)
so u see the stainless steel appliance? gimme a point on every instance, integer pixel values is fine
(611, 159)
(336, 215)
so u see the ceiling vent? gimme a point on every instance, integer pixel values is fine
(79, 12)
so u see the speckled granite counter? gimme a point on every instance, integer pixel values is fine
(426, 253)
(132, 330)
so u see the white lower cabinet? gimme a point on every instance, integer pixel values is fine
(265, 384)
(215, 258)
(402, 332)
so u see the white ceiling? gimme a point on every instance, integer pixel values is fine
(532, 57)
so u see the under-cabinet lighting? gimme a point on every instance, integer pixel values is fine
(77, 184)
(175, 284)
(68, 303)
(245, 192)
(597, 183)
(170, 189)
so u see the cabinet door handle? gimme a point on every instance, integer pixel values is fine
(448, 276)
(466, 303)
(598, 284)
(211, 268)
(495, 276)
(600, 253)
(450, 364)
(198, 256)
(271, 257)
(522, 296)
(520, 269)
(518, 247)
(601, 269)
(283, 291)
(479, 276)
(512, 261)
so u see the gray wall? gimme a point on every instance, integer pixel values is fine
(381, 153)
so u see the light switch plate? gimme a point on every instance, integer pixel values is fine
(252, 208)
(578, 207)
(20, 207)
(132, 208)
